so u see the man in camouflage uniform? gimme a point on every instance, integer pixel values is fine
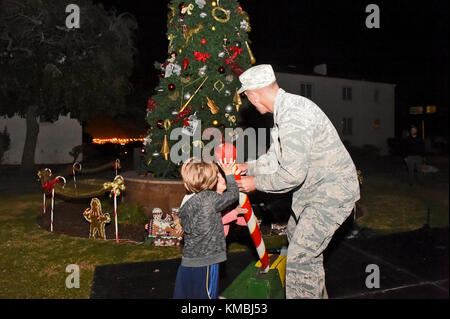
(306, 156)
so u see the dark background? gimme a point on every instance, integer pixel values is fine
(410, 49)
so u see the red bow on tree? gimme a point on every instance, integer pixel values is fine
(151, 104)
(201, 56)
(48, 185)
(236, 50)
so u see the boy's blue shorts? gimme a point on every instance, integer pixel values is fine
(197, 282)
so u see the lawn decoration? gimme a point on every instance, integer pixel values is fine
(228, 151)
(164, 232)
(97, 219)
(74, 169)
(48, 186)
(116, 187)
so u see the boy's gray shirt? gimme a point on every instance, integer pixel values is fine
(201, 219)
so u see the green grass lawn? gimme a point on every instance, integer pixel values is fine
(390, 205)
(33, 261)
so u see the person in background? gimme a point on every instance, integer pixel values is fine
(414, 153)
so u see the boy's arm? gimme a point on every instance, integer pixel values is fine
(231, 195)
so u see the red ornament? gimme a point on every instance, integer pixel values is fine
(221, 70)
(234, 67)
(159, 123)
(185, 64)
(203, 41)
(162, 74)
(225, 151)
(151, 104)
(171, 86)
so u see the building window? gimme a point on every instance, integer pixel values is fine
(347, 126)
(306, 90)
(347, 94)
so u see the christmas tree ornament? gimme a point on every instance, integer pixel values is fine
(97, 219)
(212, 106)
(236, 51)
(238, 44)
(174, 96)
(250, 53)
(188, 33)
(160, 124)
(165, 150)
(203, 15)
(174, 112)
(213, 28)
(187, 9)
(203, 41)
(190, 125)
(214, 3)
(185, 64)
(151, 104)
(235, 68)
(227, 92)
(200, 3)
(215, 122)
(192, 96)
(247, 28)
(187, 96)
(170, 15)
(155, 154)
(218, 85)
(229, 78)
(180, 50)
(201, 56)
(162, 74)
(167, 124)
(170, 37)
(185, 80)
(149, 161)
(223, 11)
(221, 70)
(171, 86)
(237, 100)
(228, 108)
(231, 118)
(202, 71)
(172, 68)
(221, 54)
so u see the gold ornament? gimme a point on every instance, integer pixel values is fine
(185, 80)
(170, 15)
(231, 118)
(215, 122)
(180, 50)
(250, 53)
(116, 185)
(165, 150)
(188, 9)
(190, 32)
(237, 100)
(213, 3)
(218, 85)
(149, 161)
(192, 96)
(212, 106)
(213, 28)
(170, 38)
(167, 124)
(222, 20)
(174, 96)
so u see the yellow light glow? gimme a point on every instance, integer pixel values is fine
(116, 140)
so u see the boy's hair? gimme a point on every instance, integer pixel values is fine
(199, 175)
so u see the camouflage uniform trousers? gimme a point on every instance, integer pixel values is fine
(305, 274)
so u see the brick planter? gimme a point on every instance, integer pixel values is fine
(151, 192)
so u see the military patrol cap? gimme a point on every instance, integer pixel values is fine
(257, 77)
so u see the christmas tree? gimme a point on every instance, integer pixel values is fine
(208, 50)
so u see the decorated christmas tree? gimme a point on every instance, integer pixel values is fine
(208, 50)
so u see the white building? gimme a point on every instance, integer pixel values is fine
(363, 112)
(55, 140)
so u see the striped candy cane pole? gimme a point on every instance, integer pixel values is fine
(73, 172)
(115, 215)
(44, 204)
(253, 228)
(53, 201)
(44, 199)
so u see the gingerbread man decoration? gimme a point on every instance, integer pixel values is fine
(97, 219)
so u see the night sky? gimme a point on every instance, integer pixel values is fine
(410, 49)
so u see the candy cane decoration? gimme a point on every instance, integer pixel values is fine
(227, 150)
(44, 200)
(56, 180)
(73, 172)
(116, 187)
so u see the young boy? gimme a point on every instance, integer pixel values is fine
(204, 239)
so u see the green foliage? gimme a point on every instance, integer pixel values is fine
(5, 142)
(190, 34)
(80, 71)
(128, 213)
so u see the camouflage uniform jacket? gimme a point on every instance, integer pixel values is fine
(306, 156)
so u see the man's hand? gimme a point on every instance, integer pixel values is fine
(246, 184)
(242, 169)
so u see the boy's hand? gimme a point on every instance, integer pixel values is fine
(226, 166)
(242, 168)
